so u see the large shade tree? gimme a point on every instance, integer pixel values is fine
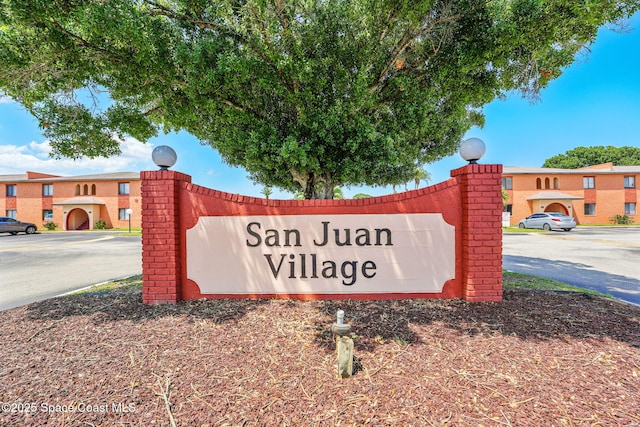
(581, 157)
(306, 95)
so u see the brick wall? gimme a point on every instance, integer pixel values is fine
(161, 243)
(470, 201)
(481, 231)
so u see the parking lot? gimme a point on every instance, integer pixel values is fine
(43, 265)
(604, 259)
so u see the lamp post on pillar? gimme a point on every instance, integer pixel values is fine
(472, 150)
(481, 224)
(161, 233)
(164, 157)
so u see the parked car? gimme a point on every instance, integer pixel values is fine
(13, 226)
(548, 221)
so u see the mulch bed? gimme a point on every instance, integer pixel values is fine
(537, 358)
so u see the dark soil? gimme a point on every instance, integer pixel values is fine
(537, 358)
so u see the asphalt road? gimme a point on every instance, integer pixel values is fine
(43, 265)
(604, 259)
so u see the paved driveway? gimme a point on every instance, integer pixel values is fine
(43, 265)
(604, 259)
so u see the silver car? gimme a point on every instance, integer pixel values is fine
(548, 221)
(13, 226)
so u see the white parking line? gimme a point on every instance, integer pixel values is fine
(28, 248)
(89, 241)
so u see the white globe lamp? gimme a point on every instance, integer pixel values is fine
(164, 157)
(472, 150)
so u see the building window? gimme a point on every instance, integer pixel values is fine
(589, 208)
(85, 190)
(123, 188)
(556, 184)
(78, 190)
(589, 182)
(11, 213)
(507, 183)
(629, 182)
(122, 214)
(547, 184)
(538, 184)
(11, 190)
(629, 208)
(93, 189)
(47, 215)
(47, 189)
(509, 208)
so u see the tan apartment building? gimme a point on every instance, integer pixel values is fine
(73, 202)
(592, 195)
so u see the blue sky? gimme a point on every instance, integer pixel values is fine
(595, 102)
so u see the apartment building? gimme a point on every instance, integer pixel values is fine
(592, 195)
(83, 202)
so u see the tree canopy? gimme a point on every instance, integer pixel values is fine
(304, 94)
(581, 157)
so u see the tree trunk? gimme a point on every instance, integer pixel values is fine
(323, 190)
(309, 188)
(318, 187)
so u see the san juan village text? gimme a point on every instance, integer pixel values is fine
(303, 266)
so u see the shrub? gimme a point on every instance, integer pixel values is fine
(621, 219)
(49, 225)
(101, 225)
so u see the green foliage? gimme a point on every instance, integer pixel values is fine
(306, 95)
(505, 198)
(49, 225)
(337, 193)
(419, 175)
(267, 191)
(581, 157)
(361, 196)
(101, 225)
(622, 219)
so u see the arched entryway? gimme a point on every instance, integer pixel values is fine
(81, 213)
(78, 219)
(557, 207)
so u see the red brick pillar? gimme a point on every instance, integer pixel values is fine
(481, 231)
(161, 270)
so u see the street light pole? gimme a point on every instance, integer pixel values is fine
(129, 212)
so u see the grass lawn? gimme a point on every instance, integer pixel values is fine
(510, 280)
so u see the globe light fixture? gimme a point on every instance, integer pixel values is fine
(129, 212)
(472, 150)
(164, 157)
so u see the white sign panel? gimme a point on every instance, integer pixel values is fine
(321, 254)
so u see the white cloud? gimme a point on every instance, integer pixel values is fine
(34, 156)
(43, 148)
(6, 99)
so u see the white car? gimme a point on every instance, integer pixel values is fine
(548, 221)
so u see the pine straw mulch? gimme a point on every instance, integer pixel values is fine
(537, 358)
